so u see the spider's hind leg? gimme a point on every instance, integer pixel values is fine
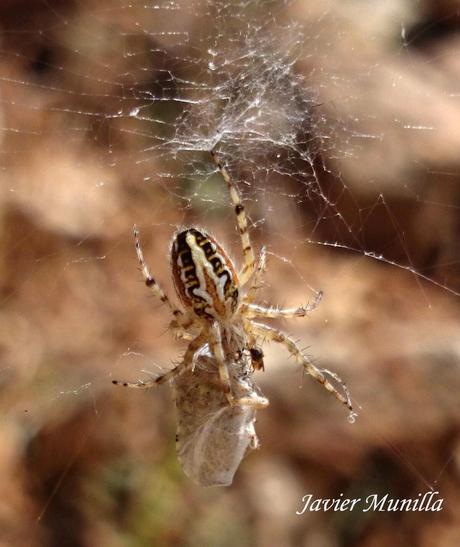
(269, 333)
(186, 363)
(255, 310)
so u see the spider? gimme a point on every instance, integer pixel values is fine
(217, 314)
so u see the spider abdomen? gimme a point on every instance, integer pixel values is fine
(204, 275)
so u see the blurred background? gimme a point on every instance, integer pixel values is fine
(340, 121)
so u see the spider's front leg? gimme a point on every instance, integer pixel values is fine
(241, 220)
(256, 282)
(181, 320)
(186, 363)
(269, 333)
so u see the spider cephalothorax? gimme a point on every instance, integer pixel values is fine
(218, 314)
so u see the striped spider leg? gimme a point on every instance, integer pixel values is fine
(271, 334)
(250, 269)
(255, 310)
(257, 355)
(242, 222)
(181, 321)
(186, 364)
(179, 324)
(256, 282)
(257, 330)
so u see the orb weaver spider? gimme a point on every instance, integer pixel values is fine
(220, 317)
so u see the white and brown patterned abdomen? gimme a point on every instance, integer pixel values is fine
(204, 275)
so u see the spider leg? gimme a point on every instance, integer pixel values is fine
(275, 335)
(217, 349)
(179, 329)
(180, 319)
(241, 220)
(181, 334)
(257, 277)
(255, 310)
(185, 364)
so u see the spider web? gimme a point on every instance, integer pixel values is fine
(339, 123)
